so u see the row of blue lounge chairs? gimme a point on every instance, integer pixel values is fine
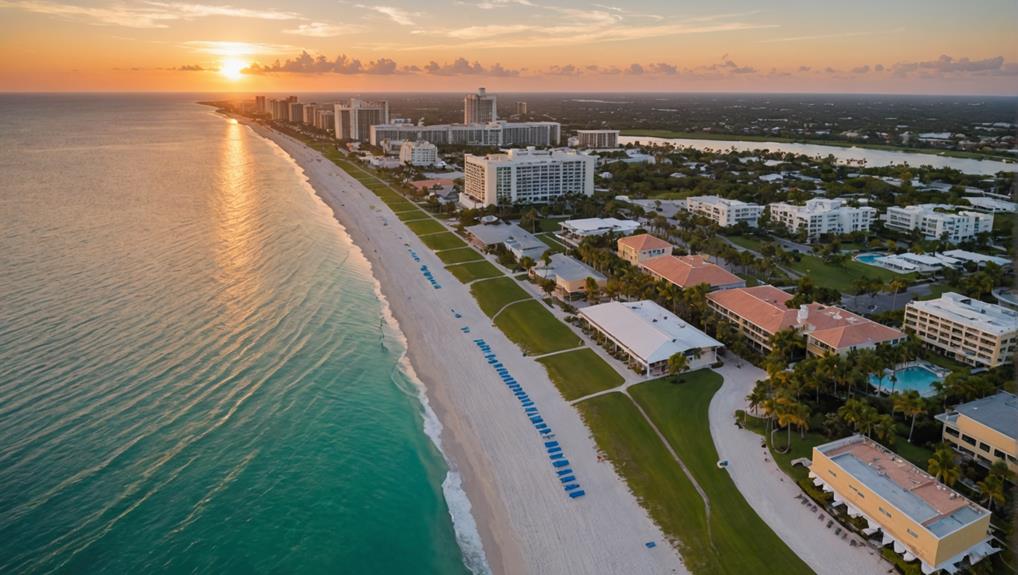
(555, 454)
(424, 269)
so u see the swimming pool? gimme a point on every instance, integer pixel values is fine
(869, 258)
(914, 377)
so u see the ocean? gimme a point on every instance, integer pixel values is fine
(197, 372)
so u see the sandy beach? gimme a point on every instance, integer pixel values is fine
(526, 521)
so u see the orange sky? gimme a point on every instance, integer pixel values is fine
(518, 45)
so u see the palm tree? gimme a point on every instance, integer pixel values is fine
(942, 466)
(593, 290)
(992, 490)
(883, 429)
(677, 364)
(758, 396)
(911, 405)
(897, 285)
(790, 412)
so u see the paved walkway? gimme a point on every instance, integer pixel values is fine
(770, 492)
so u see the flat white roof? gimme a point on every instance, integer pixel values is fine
(992, 204)
(715, 200)
(647, 329)
(591, 225)
(567, 268)
(976, 257)
(985, 317)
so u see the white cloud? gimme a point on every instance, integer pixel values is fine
(322, 30)
(143, 15)
(397, 15)
(224, 48)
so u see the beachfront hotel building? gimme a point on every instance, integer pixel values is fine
(418, 153)
(724, 212)
(985, 430)
(649, 335)
(965, 329)
(922, 518)
(492, 134)
(526, 176)
(689, 271)
(480, 108)
(936, 221)
(821, 216)
(569, 274)
(573, 231)
(642, 247)
(597, 139)
(354, 119)
(759, 312)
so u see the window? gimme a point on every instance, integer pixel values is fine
(951, 431)
(970, 440)
(984, 447)
(884, 511)
(912, 533)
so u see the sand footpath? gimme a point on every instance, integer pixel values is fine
(527, 522)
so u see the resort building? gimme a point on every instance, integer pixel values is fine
(479, 108)
(724, 212)
(821, 216)
(641, 247)
(985, 429)
(526, 176)
(965, 329)
(597, 139)
(649, 334)
(980, 260)
(689, 271)
(992, 205)
(936, 221)
(924, 519)
(920, 263)
(518, 241)
(573, 231)
(492, 134)
(761, 311)
(418, 153)
(569, 274)
(353, 120)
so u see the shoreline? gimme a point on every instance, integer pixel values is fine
(525, 522)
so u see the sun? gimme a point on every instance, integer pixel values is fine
(232, 69)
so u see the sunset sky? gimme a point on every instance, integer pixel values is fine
(887, 46)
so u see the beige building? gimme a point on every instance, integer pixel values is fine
(966, 329)
(480, 108)
(922, 518)
(985, 429)
(597, 139)
(570, 276)
(641, 247)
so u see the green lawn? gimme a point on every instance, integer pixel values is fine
(744, 543)
(535, 329)
(458, 255)
(549, 224)
(843, 277)
(428, 226)
(474, 271)
(411, 215)
(581, 372)
(746, 242)
(654, 477)
(491, 295)
(446, 241)
(801, 446)
(552, 243)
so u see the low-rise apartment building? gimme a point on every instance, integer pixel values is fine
(965, 329)
(641, 247)
(724, 212)
(821, 216)
(689, 271)
(574, 231)
(985, 429)
(418, 153)
(569, 274)
(936, 221)
(922, 518)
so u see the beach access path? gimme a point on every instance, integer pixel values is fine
(528, 524)
(770, 492)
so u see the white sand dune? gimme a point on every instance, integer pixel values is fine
(527, 522)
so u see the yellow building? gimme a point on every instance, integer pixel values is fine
(569, 274)
(966, 329)
(923, 518)
(985, 429)
(641, 247)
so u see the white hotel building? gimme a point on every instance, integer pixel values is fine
(418, 153)
(724, 212)
(597, 139)
(526, 176)
(490, 134)
(823, 216)
(938, 220)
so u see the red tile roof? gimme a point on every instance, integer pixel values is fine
(763, 306)
(688, 271)
(840, 329)
(642, 242)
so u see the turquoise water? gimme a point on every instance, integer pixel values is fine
(869, 258)
(195, 374)
(913, 377)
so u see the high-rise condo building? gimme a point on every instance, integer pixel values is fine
(597, 139)
(490, 134)
(479, 108)
(526, 176)
(355, 119)
(260, 104)
(521, 108)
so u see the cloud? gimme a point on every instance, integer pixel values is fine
(224, 48)
(663, 68)
(462, 67)
(397, 15)
(150, 14)
(634, 69)
(322, 30)
(949, 66)
(566, 70)
(308, 64)
(818, 37)
(194, 68)
(861, 69)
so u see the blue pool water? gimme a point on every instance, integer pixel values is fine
(868, 258)
(913, 377)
